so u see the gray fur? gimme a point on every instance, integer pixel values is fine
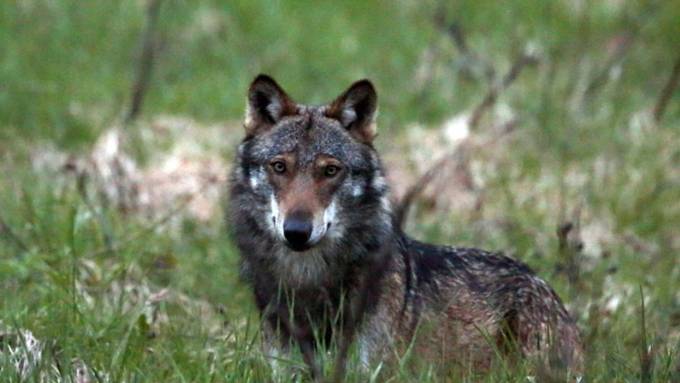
(388, 285)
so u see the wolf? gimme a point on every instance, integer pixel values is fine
(310, 212)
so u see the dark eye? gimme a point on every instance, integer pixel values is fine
(279, 167)
(331, 171)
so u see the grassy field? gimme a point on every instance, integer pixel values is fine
(573, 168)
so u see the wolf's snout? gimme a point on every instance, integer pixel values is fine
(297, 232)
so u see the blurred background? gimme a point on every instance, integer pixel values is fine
(546, 129)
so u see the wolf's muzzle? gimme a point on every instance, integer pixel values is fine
(297, 232)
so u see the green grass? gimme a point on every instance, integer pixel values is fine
(149, 300)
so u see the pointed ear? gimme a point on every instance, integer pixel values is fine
(356, 110)
(267, 104)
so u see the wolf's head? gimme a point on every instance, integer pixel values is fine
(308, 175)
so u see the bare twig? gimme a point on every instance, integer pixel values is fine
(416, 189)
(621, 46)
(570, 248)
(145, 63)
(667, 92)
(7, 232)
(489, 100)
(646, 350)
(455, 32)
(458, 156)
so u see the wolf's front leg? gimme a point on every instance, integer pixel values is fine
(276, 352)
(279, 334)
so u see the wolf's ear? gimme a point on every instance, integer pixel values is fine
(267, 104)
(356, 110)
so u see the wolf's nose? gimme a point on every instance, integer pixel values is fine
(297, 233)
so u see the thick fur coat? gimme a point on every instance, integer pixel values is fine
(309, 209)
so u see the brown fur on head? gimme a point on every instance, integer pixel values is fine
(304, 191)
(309, 156)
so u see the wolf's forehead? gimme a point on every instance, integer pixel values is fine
(309, 138)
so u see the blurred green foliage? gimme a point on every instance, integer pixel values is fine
(64, 55)
(66, 69)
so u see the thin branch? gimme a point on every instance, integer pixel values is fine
(489, 100)
(667, 92)
(145, 63)
(458, 156)
(7, 232)
(646, 350)
(621, 47)
(417, 188)
(492, 95)
(570, 248)
(455, 32)
(622, 44)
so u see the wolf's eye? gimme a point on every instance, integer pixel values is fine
(331, 171)
(279, 167)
